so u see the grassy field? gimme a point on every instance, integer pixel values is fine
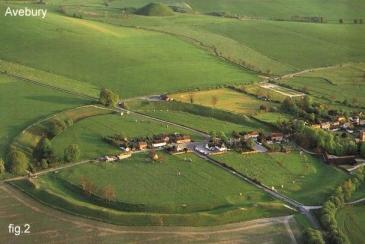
(114, 57)
(23, 103)
(226, 99)
(89, 133)
(350, 220)
(349, 79)
(201, 195)
(275, 47)
(273, 117)
(301, 177)
(49, 226)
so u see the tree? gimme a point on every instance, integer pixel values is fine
(43, 150)
(56, 127)
(340, 21)
(2, 166)
(108, 193)
(18, 162)
(362, 149)
(313, 236)
(87, 186)
(72, 153)
(108, 98)
(191, 98)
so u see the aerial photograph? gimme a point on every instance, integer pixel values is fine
(182, 121)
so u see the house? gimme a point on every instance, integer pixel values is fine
(325, 125)
(124, 156)
(362, 135)
(179, 139)
(157, 144)
(276, 137)
(141, 145)
(346, 125)
(355, 120)
(178, 148)
(252, 134)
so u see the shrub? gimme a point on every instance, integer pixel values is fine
(18, 162)
(72, 153)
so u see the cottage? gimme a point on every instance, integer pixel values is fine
(276, 137)
(141, 145)
(325, 125)
(179, 139)
(157, 144)
(252, 134)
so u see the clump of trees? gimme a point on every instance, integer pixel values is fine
(57, 126)
(88, 187)
(44, 153)
(329, 209)
(108, 98)
(18, 162)
(313, 236)
(72, 153)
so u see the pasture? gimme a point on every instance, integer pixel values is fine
(121, 59)
(270, 47)
(273, 117)
(150, 193)
(224, 99)
(299, 176)
(89, 133)
(326, 83)
(23, 103)
(350, 220)
(49, 225)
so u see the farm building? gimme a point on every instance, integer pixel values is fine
(179, 139)
(252, 134)
(157, 144)
(276, 137)
(124, 156)
(325, 125)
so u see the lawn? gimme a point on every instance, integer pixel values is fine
(302, 177)
(226, 99)
(89, 133)
(102, 55)
(156, 193)
(23, 103)
(351, 220)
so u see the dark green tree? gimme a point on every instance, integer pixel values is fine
(72, 153)
(108, 98)
(18, 161)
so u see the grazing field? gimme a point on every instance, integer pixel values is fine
(89, 133)
(349, 79)
(118, 58)
(150, 193)
(23, 103)
(351, 220)
(273, 117)
(271, 47)
(302, 177)
(49, 225)
(270, 9)
(225, 99)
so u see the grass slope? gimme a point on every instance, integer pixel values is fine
(122, 59)
(303, 177)
(350, 220)
(23, 103)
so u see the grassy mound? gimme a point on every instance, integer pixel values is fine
(155, 9)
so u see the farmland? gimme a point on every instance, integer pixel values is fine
(349, 79)
(225, 99)
(30, 104)
(114, 57)
(303, 177)
(89, 133)
(49, 225)
(180, 204)
(350, 220)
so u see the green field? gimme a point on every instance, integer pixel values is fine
(89, 133)
(118, 58)
(201, 195)
(273, 117)
(226, 99)
(350, 220)
(349, 79)
(23, 103)
(302, 177)
(49, 226)
(275, 47)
